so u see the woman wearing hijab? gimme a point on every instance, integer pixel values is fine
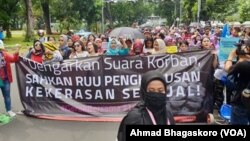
(36, 53)
(159, 47)
(115, 49)
(63, 47)
(137, 48)
(152, 110)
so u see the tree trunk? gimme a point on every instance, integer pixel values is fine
(29, 17)
(46, 15)
(110, 14)
(8, 32)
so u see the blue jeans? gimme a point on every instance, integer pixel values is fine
(240, 115)
(6, 95)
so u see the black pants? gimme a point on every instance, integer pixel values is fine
(218, 96)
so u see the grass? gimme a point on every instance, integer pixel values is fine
(18, 37)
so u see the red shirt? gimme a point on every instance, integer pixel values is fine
(9, 58)
(36, 58)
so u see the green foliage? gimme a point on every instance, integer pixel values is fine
(17, 37)
(8, 12)
(194, 11)
(75, 14)
(125, 13)
(245, 10)
(71, 14)
(167, 10)
(221, 9)
(64, 12)
(188, 15)
(93, 13)
(212, 10)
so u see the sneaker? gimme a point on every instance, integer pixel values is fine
(11, 114)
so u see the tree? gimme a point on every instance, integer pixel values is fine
(109, 14)
(245, 10)
(218, 9)
(72, 14)
(64, 12)
(210, 10)
(92, 14)
(167, 10)
(46, 15)
(188, 15)
(8, 10)
(29, 20)
(125, 13)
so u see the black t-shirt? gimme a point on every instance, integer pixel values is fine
(240, 76)
(139, 116)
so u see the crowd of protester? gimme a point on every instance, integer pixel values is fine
(48, 49)
(156, 41)
(45, 49)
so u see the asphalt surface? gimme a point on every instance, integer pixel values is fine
(23, 128)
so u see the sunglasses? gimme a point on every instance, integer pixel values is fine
(77, 45)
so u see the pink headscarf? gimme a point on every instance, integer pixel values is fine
(137, 47)
(75, 38)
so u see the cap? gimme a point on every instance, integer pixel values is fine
(1, 44)
(50, 46)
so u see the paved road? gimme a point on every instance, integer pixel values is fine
(24, 128)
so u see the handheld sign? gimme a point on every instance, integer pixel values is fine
(104, 45)
(226, 46)
(171, 49)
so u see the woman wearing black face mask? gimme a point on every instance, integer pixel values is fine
(152, 110)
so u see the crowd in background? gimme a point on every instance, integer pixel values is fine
(48, 49)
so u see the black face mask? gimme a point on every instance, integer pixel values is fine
(155, 101)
